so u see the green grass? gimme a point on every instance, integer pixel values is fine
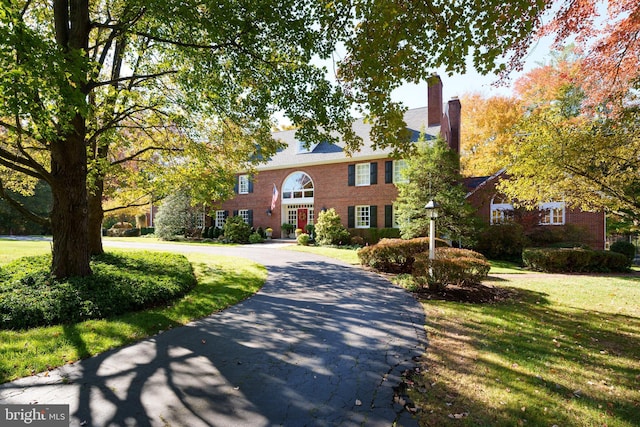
(348, 255)
(565, 351)
(505, 267)
(14, 249)
(222, 281)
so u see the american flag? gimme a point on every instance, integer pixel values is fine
(274, 197)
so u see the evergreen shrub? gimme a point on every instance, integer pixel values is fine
(329, 229)
(625, 248)
(573, 260)
(452, 266)
(303, 239)
(236, 230)
(395, 255)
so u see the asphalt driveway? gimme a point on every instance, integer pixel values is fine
(322, 344)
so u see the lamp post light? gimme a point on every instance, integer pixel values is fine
(432, 212)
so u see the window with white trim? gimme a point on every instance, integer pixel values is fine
(298, 185)
(398, 171)
(244, 214)
(363, 174)
(243, 184)
(363, 216)
(501, 210)
(219, 219)
(553, 213)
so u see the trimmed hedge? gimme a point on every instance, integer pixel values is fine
(395, 255)
(374, 235)
(625, 248)
(120, 283)
(574, 260)
(452, 266)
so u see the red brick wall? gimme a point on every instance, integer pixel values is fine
(331, 190)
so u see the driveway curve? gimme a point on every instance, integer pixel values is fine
(321, 344)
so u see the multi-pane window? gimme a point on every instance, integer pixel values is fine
(243, 184)
(363, 216)
(363, 174)
(244, 214)
(297, 186)
(552, 213)
(219, 219)
(398, 171)
(501, 210)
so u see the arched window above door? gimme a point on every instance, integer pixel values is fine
(297, 186)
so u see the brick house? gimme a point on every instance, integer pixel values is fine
(493, 208)
(298, 182)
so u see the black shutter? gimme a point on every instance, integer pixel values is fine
(351, 217)
(388, 216)
(235, 213)
(236, 185)
(251, 185)
(351, 181)
(388, 172)
(225, 215)
(250, 215)
(373, 216)
(373, 171)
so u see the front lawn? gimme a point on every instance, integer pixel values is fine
(564, 351)
(221, 282)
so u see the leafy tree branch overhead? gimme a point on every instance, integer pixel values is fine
(170, 85)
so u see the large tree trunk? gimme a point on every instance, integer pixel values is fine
(69, 212)
(96, 215)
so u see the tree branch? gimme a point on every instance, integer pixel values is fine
(21, 208)
(133, 78)
(142, 151)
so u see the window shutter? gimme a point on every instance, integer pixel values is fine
(250, 214)
(373, 171)
(388, 216)
(235, 213)
(352, 175)
(225, 215)
(388, 172)
(373, 216)
(236, 185)
(351, 217)
(250, 185)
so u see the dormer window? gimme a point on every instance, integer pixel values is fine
(305, 148)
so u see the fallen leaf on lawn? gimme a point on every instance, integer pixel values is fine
(459, 416)
(358, 402)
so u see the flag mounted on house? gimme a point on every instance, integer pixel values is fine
(274, 197)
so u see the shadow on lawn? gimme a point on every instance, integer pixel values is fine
(520, 361)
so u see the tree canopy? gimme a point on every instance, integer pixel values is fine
(101, 95)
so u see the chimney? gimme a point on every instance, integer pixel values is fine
(454, 109)
(434, 101)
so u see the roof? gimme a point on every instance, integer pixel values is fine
(323, 153)
(473, 184)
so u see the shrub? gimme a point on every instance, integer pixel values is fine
(452, 266)
(395, 255)
(374, 235)
(303, 239)
(575, 260)
(502, 241)
(329, 229)
(236, 230)
(256, 238)
(625, 248)
(119, 283)
(357, 241)
(310, 230)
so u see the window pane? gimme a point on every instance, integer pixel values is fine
(362, 217)
(363, 175)
(398, 167)
(243, 184)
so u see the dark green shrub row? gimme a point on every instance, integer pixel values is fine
(120, 283)
(452, 266)
(575, 260)
(123, 232)
(625, 248)
(395, 255)
(502, 241)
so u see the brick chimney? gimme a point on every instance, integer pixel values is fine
(434, 101)
(454, 109)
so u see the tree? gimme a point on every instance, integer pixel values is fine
(433, 174)
(486, 134)
(83, 78)
(176, 217)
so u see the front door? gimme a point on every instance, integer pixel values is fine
(302, 218)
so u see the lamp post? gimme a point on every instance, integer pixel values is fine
(432, 212)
